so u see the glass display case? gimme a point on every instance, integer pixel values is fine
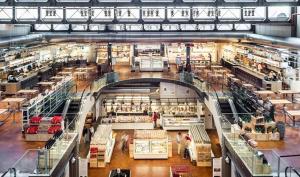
(171, 122)
(151, 144)
(142, 146)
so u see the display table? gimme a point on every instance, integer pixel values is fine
(132, 126)
(65, 73)
(264, 92)
(86, 69)
(28, 93)
(57, 78)
(280, 101)
(46, 83)
(288, 92)
(68, 69)
(216, 67)
(12, 103)
(151, 144)
(294, 114)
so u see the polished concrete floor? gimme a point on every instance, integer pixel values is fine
(153, 168)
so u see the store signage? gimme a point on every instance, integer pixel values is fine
(217, 167)
(83, 167)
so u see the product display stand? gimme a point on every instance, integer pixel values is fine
(200, 147)
(151, 144)
(101, 147)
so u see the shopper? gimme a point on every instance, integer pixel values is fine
(179, 140)
(85, 130)
(187, 137)
(154, 118)
(124, 140)
(92, 130)
(186, 153)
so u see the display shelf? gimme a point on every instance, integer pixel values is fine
(175, 51)
(102, 54)
(132, 122)
(200, 147)
(122, 53)
(101, 147)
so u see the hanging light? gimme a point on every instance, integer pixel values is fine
(172, 13)
(157, 13)
(129, 13)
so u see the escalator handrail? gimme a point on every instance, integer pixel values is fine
(293, 169)
(9, 170)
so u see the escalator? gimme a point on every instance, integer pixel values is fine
(70, 112)
(228, 110)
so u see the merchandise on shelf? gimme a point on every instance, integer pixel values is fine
(36, 120)
(101, 147)
(200, 147)
(43, 128)
(102, 54)
(56, 119)
(132, 119)
(178, 109)
(176, 52)
(121, 53)
(33, 129)
(150, 134)
(54, 128)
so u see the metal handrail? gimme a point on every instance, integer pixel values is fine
(292, 169)
(9, 170)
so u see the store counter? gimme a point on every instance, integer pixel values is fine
(256, 78)
(25, 81)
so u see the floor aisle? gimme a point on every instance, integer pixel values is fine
(147, 168)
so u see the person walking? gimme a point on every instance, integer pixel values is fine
(186, 153)
(124, 140)
(179, 140)
(187, 143)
